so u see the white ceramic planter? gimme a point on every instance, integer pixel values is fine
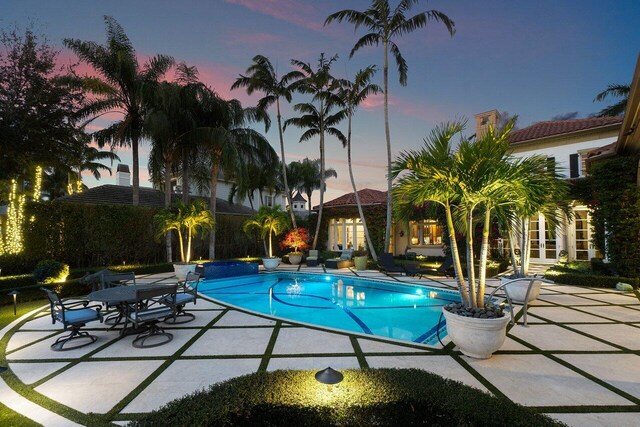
(270, 264)
(518, 290)
(478, 338)
(295, 258)
(182, 269)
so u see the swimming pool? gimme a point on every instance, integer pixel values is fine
(364, 306)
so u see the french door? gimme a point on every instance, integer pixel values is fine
(544, 241)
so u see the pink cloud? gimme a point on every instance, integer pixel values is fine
(291, 11)
(405, 106)
(255, 40)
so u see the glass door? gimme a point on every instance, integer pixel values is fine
(583, 248)
(544, 243)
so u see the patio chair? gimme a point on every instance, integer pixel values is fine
(152, 306)
(110, 279)
(387, 265)
(312, 258)
(74, 318)
(187, 293)
(344, 261)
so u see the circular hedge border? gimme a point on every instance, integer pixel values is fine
(366, 397)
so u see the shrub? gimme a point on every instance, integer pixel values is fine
(600, 267)
(51, 271)
(567, 277)
(12, 264)
(364, 398)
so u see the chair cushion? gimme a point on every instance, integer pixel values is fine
(184, 298)
(81, 316)
(151, 314)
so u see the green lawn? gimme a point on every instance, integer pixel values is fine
(9, 417)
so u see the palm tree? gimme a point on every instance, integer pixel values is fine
(120, 88)
(307, 175)
(269, 222)
(262, 76)
(353, 94)
(227, 143)
(384, 25)
(616, 91)
(317, 116)
(82, 157)
(473, 180)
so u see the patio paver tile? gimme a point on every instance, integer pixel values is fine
(304, 341)
(623, 335)
(124, 347)
(312, 363)
(238, 318)
(564, 299)
(621, 419)
(564, 315)
(231, 341)
(29, 373)
(620, 298)
(42, 349)
(535, 380)
(619, 370)
(441, 365)
(186, 376)
(371, 346)
(552, 337)
(621, 314)
(20, 339)
(97, 386)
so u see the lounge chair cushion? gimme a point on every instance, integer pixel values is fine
(182, 299)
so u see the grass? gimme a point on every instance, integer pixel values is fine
(9, 417)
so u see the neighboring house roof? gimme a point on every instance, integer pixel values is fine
(298, 198)
(367, 197)
(560, 127)
(149, 197)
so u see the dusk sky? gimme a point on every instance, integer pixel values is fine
(537, 59)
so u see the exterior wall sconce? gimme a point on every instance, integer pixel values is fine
(329, 377)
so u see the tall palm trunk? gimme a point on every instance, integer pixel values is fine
(181, 240)
(484, 250)
(270, 246)
(321, 128)
(167, 202)
(524, 247)
(372, 250)
(471, 274)
(284, 166)
(188, 258)
(213, 202)
(185, 175)
(310, 206)
(512, 249)
(455, 255)
(387, 134)
(136, 171)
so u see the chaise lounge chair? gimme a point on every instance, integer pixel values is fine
(312, 258)
(387, 265)
(445, 269)
(344, 261)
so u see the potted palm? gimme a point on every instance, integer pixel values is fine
(298, 240)
(189, 221)
(269, 222)
(468, 182)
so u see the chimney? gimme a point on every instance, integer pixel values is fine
(123, 177)
(484, 120)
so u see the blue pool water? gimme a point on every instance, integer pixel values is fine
(373, 307)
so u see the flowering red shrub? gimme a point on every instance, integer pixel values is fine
(296, 239)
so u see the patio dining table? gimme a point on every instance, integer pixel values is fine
(121, 297)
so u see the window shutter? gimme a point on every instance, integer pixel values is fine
(573, 166)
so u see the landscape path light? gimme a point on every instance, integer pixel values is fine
(329, 377)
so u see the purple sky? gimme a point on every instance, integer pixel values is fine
(536, 59)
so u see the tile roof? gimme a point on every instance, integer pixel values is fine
(367, 197)
(298, 198)
(560, 127)
(119, 195)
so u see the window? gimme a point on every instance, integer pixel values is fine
(574, 171)
(551, 164)
(268, 200)
(424, 233)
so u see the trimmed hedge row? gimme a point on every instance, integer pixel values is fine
(581, 279)
(366, 397)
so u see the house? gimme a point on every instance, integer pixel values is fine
(567, 143)
(299, 205)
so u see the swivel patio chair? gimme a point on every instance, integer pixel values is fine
(110, 279)
(387, 265)
(187, 293)
(153, 305)
(74, 318)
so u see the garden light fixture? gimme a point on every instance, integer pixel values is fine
(14, 293)
(329, 377)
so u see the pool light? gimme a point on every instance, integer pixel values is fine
(329, 377)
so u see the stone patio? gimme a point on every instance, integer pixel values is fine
(578, 361)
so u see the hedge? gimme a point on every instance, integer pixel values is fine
(581, 279)
(366, 397)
